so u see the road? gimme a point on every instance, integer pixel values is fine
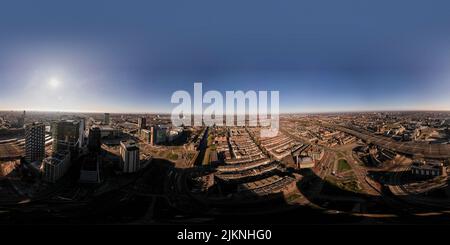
(399, 190)
(432, 151)
(361, 175)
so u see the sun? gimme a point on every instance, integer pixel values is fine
(53, 83)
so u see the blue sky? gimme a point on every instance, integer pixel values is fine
(131, 56)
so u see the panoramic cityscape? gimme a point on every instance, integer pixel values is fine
(388, 167)
(224, 120)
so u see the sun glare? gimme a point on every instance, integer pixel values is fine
(53, 83)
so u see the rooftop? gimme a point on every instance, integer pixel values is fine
(130, 145)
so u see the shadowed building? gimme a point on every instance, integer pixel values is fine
(81, 131)
(428, 169)
(55, 166)
(90, 170)
(66, 135)
(160, 134)
(94, 139)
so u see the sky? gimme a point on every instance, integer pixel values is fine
(130, 56)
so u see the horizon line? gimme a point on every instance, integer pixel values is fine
(281, 113)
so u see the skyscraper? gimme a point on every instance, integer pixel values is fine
(106, 120)
(142, 122)
(34, 142)
(160, 134)
(147, 135)
(129, 152)
(66, 135)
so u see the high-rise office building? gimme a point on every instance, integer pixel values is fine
(66, 135)
(142, 122)
(94, 139)
(160, 133)
(107, 120)
(129, 152)
(147, 135)
(34, 142)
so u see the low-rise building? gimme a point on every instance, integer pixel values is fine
(304, 162)
(428, 169)
(109, 132)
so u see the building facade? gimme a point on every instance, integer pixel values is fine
(147, 136)
(107, 119)
(428, 169)
(55, 166)
(82, 131)
(66, 135)
(34, 142)
(142, 122)
(21, 120)
(129, 152)
(94, 139)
